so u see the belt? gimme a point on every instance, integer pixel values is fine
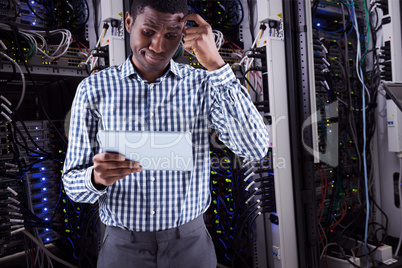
(158, 236)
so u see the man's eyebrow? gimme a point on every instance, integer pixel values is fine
(155, 27)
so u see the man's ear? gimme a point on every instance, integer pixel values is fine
(128, 22)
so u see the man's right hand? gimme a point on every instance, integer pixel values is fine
(110, 167)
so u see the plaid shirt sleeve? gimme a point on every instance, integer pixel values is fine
(82, 146)
(234, 115)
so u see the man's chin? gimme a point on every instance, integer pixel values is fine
(157, 67)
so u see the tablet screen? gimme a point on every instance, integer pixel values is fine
(153, 150)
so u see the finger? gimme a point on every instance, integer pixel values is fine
(108, 174)
(108, 156)
(106, 165)
(195, 17)
(189, 41)
(135, 170)
(134, 164)
(195, 31)
(114, 157)
(189, 36)
(188, 46)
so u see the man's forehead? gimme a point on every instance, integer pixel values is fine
(161, 20)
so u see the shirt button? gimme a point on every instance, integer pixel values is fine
(152, 114)
(153, 212)
(152, 178)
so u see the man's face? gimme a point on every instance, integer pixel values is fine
(154, 38)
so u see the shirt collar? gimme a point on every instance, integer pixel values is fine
(174, 68)
(127, 69)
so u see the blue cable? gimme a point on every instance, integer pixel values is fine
(364, 139)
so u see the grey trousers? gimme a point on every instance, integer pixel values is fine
(187, 246)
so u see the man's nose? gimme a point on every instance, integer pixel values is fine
(157, 44)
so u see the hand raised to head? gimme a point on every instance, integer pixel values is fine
(201, 41)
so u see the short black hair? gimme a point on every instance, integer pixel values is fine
(165, 6)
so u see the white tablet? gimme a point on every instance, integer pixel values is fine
(153, 150)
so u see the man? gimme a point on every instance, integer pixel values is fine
(155, 218)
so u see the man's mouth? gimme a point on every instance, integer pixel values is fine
(152, 58)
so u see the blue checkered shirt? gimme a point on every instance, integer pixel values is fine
(184, 99)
